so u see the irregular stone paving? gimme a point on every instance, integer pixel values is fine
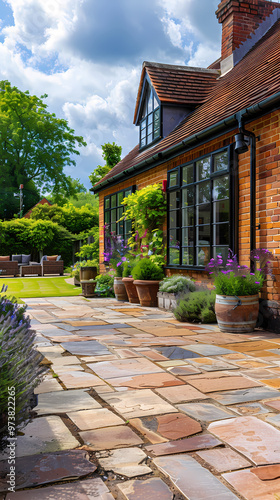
(139, 406)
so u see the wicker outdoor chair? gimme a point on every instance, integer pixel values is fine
(52, 267)
(8, 268)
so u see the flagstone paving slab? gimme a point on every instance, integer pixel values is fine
(273, 382)
(89, 347)
(252, 363)
(146, 381)
(129, 462)
(49, 385)
(77, 380)
(224, 459)
(255, 439)
(124, 368)
(138, 403)
(179, 394)
(183, 445)
(209, 364)
(110, 438)
(92, 359)
(59, 369)
(78, 490)
(126, 353)
(86, 323)
(94, 419)
(177, 353)
(151, 489)
(273, 404)
(66, 401)
(65, 360)
(274, 420)
(207, 384)
(205, 412)
(260, 373)
(250, 409)
(251, 345)
(174, 362)
(169, 427)
(244, 395)
(248, 484)
(37, 470)
(45, 435)
(208, 350)
(192, 480)
(183, 370)
(154, 356)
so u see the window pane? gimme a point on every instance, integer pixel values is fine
(223, 251)
(188, 174)
(204, 214)
(113, 215)
(150, 129)
(113, 228)
(173, 179)
(150, 101)
(174, 256)
(143, 125)
(127, 226)
(188, 236)
(173, 219)
(107, 203)
(221, 211)
(221, 188)
(203, 255)
(150, 119)
(143, 142)
(187, 256)
(120, 212)
(113, 200)
(107, 218)
(187, 216)
(174, 200)
(221, 161)
(173, 240)
(221, 233)
(120, 198)
(203, 169)
(188, 196)
(127, 192)
(203, 233)
(203, 192)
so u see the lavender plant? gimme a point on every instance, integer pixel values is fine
(19, 363)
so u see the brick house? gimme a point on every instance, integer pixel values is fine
(212, 137)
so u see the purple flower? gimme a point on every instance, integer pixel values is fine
(257, 282)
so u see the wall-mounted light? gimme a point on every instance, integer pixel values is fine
(241, 144)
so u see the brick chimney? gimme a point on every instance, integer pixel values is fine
(239, 19)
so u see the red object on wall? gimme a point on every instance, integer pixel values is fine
(164, 185)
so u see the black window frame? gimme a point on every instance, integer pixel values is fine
(109, 207)
(176, 231)
(148, 120)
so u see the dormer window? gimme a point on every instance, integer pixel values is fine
(150, 118)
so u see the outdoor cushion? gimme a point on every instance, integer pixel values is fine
(4, 258)
(58, 257)
(43, 258)
(17, 258)
(52, 257)
(25, 259)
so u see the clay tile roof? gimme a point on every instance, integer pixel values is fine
(252, 80)
(181, 85)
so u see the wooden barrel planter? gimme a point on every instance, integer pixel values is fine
(131, 290)
(88, 273)
(88, 288)
(147, 291)
(119, 289)
(237, 314)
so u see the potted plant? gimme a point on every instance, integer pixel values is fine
(119, 286)
(237, 292)
(128, 281)
(147, 276)
(171, 287)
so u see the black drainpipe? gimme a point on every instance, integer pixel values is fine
(252, 187)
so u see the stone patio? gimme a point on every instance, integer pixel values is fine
(139, 406)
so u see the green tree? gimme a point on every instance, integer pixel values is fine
(75, 188)
(112, 156)
(75, 220)
(35, 147)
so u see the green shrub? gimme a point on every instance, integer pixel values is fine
(197, 307)
(19, 367)
(128, 266)
(105, 285)
(177, 284)
(145, 269)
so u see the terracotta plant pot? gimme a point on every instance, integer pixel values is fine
(88, 273)
(88, 288)
(147, 291)
(131, 290)
(119, 289)
(237, 314)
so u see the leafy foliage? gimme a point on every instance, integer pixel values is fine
(105, 285)
(112, 156)
(196, 307)
(35, 146)
(177, 284)
(145, 269)
(19, 365)
(72, 218)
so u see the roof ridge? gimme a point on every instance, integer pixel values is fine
(177, 67)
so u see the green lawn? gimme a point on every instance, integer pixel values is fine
(23, 288)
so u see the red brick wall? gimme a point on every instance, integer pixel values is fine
(239, 19)
(267, 197)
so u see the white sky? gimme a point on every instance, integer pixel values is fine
(87, 56)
